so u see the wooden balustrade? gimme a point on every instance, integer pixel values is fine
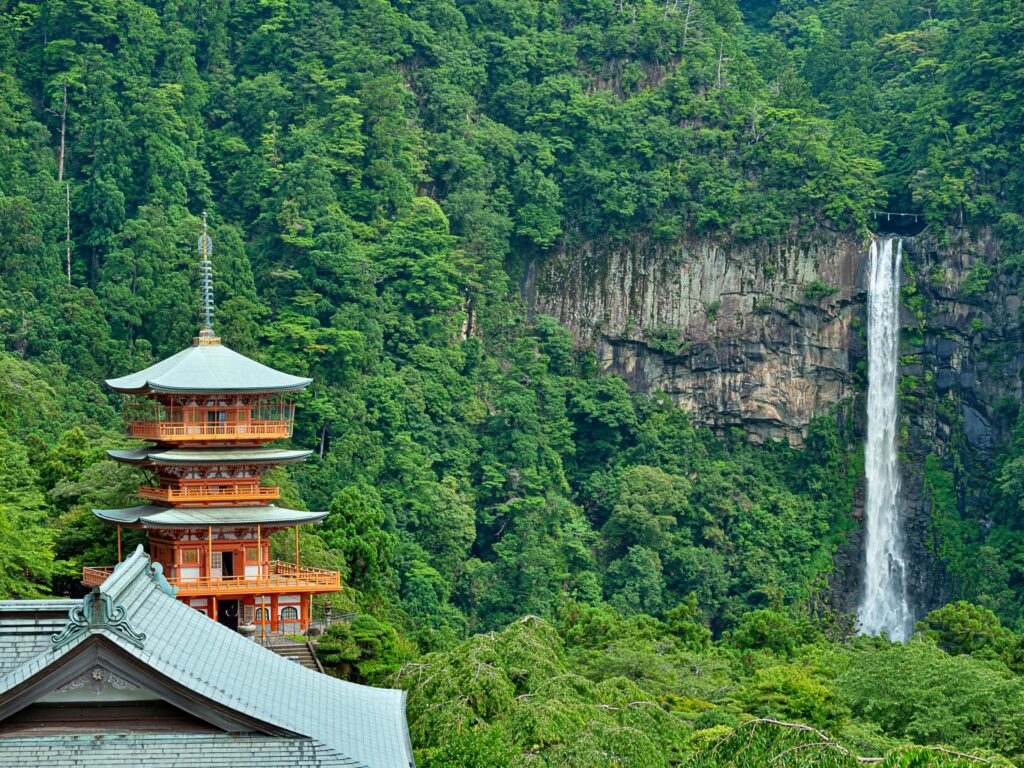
(278, 577)
(93, 577)
(198, 494)
(209, 431)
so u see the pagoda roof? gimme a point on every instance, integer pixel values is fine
(134, 627)
(157, 455)
(208, 368)
(153, 516)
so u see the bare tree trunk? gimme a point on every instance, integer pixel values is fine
(63, 130)
(721, 52)
(689, 15)
(67, 230)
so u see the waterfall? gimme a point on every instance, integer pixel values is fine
(884, 606)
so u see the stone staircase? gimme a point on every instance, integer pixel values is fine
(296, 651)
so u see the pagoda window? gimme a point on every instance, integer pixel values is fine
(190, 556)
(289, 613)
(262, 614)
(252, 554)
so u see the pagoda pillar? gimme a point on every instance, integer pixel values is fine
(273, 613)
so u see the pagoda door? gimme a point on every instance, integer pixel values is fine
(217, 565)
(227, 613)
(216, 421)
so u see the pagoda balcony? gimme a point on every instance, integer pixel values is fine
(279, 578)
(201, 495)
(249, 430)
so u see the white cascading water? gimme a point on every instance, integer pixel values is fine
(884, 607)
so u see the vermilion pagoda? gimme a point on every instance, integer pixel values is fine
(209, 411)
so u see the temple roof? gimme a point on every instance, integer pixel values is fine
(170, 750)
(208, 368)
(153, 516)
(133, 626)
(157, 455)
(26, 628)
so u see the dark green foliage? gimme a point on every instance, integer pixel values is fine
(26, 555)
(818, 290)
(790, 692)
(516, 690)
(788, 745)
(962, 628)
(908, 693)
(773, 631)
(929, 87)
(364, 650)
(355, 531)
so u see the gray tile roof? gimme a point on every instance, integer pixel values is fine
(160, 455)
(26, 627)
(148, 750)
(208, 368)
(365, 724)
(153, 516)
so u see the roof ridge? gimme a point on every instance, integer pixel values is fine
(125, 573)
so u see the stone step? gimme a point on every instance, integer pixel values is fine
(288, 646)
(300, 653)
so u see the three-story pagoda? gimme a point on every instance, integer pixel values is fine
(209, 412)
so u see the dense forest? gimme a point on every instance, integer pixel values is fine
(560, 571)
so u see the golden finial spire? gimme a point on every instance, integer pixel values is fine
(206, 334)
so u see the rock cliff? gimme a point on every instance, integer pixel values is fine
(752, 336)
(765, 336)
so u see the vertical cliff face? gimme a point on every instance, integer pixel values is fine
(961, 381)
(754, 336)
(766, 336)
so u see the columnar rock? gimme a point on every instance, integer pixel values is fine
(753, 336)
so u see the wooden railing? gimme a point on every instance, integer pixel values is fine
(199, 494)
(93, 577)
(278, 577)
(182, 431)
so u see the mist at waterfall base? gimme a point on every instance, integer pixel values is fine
(884, 606)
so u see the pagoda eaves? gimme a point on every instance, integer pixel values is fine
(155, 516)
(163, 455)
(208, 368)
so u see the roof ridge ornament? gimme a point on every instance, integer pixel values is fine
(206, 335)
(97, 611)
(156, 572)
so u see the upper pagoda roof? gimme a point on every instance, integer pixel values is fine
(208, 368)
(260, 708)
(153, 516)
(156, 455)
